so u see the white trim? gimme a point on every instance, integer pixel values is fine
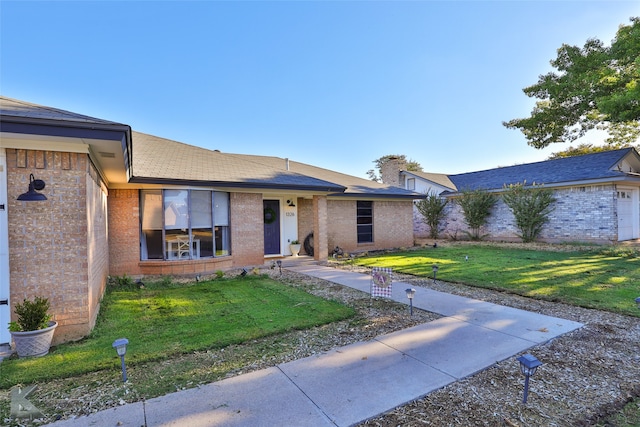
(635, 212)
(43, 143)
(5, 314)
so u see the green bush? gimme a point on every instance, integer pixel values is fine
(530, 206)
(32, 315)
(476, 207)
(432, 211)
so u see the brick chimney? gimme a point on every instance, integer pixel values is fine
(390, 171)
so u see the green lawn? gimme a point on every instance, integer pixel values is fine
(606, 279)
(164, 319)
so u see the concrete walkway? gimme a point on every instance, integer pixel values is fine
(350, 384)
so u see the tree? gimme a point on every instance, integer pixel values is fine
(432, 211)
(476, 207)
(595, 87)
(411, 165)
(578, 151)
(530, 206)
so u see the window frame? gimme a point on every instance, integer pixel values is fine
(364, 221)
(216, 226)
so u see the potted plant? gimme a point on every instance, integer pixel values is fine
(295, 247)
(33, 330)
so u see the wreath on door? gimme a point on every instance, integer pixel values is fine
(269, 215)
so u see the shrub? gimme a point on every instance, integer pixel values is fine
(530, 206)
(32, 315)
(432, 211)
(476, 207)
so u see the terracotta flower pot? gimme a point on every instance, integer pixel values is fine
(34, 343)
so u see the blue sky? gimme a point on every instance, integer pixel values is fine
(331, 83)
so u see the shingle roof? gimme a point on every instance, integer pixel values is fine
(20, 109)
(158, 159)
(587, 167)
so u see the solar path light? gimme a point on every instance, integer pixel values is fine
(410, 294)
(528, 366)
(121, 348)
(434, 267)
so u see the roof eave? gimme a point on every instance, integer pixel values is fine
(232, 184)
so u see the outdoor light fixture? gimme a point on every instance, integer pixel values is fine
(244, 272)
(279, 265)
(32, 195)
(434, 267)
(290, 203)
(121, 348)
(638, 301)
(410, 294)
(528, 366)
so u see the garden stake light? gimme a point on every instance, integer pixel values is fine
(279, 266)
(638, 302)
(434, 267)
(528, 366)
(121, 348)
(410, 294)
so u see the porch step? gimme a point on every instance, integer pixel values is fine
(291, 261)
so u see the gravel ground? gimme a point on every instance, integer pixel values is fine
(587, 374)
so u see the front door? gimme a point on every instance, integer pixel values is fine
(627, 214)
(5, 337)
(271, 209)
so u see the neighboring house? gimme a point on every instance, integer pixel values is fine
(121, 202)
(597, 196)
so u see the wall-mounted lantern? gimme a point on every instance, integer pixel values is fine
(32, 195)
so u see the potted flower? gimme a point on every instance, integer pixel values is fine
(295, 247)
(33, 330)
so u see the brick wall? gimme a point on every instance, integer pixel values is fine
(247, 229)
(580, 214)
(124, 232)
(124, 241)
(305, 221)
(49, 255)
(392, 225)
(97, 244)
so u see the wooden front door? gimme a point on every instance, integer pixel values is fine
(271, 211)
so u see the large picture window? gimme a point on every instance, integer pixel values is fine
(184, 224)
(364, 220)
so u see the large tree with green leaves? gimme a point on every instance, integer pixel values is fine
(594, 87)
(412, 165)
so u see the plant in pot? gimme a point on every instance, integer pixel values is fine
(295, 247)
(33, 330)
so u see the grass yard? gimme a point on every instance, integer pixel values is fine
(164, 319)
(605, 279)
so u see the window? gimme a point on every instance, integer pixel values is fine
(411, 184)
(364, 219)
(184, 224)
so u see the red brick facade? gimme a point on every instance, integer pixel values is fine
(64, 248)
(247, 239)
(58, 247)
